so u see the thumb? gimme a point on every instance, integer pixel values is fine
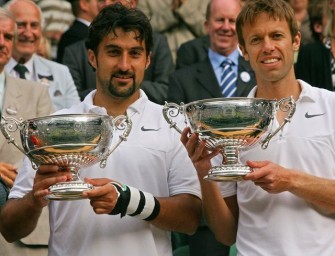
(98, 182)
(256, 164)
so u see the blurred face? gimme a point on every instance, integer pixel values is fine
(120, 64)
(91, 7)
(269, 48)
(103, 3)
(7, 27)
(298, 5)
(221, 26)
(29, 30)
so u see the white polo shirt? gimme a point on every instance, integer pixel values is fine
(284, 224)
(152, 159)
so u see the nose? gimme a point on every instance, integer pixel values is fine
(2, 39)
(124, 62)
(268, 45)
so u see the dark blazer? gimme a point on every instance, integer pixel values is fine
(192, 51)
(75, 33)
(313, 65)
(156, 76)
(198, 81)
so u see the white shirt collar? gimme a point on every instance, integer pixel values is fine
(29, 65)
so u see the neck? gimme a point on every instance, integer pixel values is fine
(114, 106)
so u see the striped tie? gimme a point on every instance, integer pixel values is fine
(228, 79)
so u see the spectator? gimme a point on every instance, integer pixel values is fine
(178, 20)
(58, 17)
(156, 78)
(18, 99)
(293, 179)
(114, 222)
(316, 63)
(202, 80)
(61, 86)
(300, 8)
(84, 11)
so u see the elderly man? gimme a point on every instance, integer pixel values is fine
(18, 99)
(25, 63)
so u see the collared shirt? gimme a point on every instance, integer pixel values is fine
(305, 144)
(87, 23)
(30, 75)
(2, 88)
(152, 159)
(217, 59)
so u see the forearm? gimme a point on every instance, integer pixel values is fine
(19, 218)
(318, 191)
(219, 217)
(179, 213)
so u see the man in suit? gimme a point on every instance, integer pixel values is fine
(84, 11)
(57, 77)
(201, 80)
(18, 99)
(156, 77)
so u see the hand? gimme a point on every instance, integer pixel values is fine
(8, 173)
(198, 153)
(47, 175)
(269, 176)
(103, 197)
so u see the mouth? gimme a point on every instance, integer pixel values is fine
(270, 60)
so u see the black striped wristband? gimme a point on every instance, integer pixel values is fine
(135, 203)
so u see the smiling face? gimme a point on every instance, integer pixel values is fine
(220, 26)
(29, 30)
(7, 27)
(120, 64)
(270, 49)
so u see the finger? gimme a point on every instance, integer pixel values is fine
(184, 135)
(99, 182)
(43, 169)
(256, 164)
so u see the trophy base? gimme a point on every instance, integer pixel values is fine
(71, 190)
(227, 173)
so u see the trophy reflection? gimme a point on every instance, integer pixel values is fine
(71, 141)
(230, 125)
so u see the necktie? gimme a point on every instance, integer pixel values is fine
(228, 79)
(21, 69)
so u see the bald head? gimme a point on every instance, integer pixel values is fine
(28, 18)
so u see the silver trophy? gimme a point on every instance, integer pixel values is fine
(70, 141)
(230, 125)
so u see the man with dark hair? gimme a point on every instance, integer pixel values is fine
(286, 205)
(119, 218)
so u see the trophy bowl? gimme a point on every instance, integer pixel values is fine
(71, 141)
(230, 125)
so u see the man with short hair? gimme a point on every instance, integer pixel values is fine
(25, 62)
(149, 187)
(286, 205)
(18, 99)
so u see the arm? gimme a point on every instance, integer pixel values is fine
(179, 213)
(19, 216)
(276, 179)
(221, 214)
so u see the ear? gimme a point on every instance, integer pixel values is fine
(206, 26)
(296, 42)
(92, 59)
(148, 61)
(243, 52)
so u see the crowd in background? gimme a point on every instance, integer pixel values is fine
(184, 48)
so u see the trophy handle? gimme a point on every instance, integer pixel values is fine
(121, 122)
(8, 125)
(170, 111)
(289, 106)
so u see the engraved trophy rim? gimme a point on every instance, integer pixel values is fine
(229, 124)
(71, 141)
